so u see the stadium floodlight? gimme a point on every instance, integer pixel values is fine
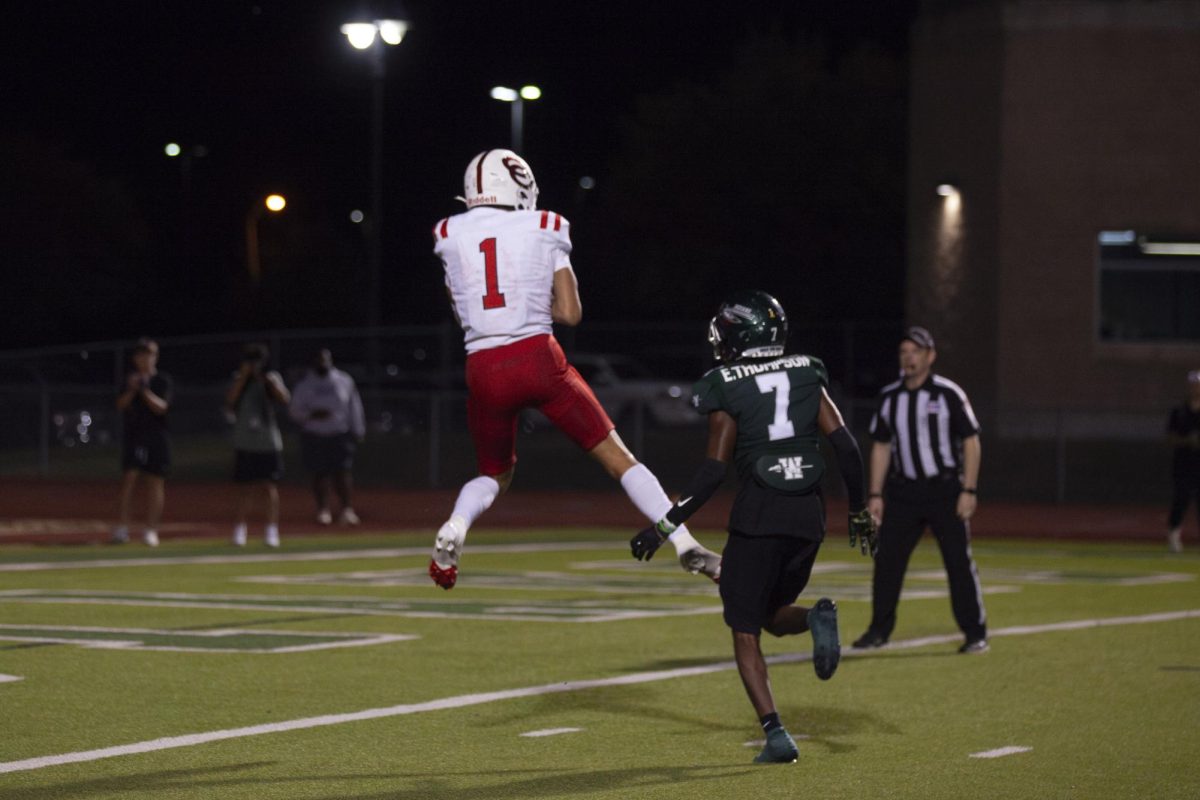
(172, 149)
(392, 31)
(506, 94)
(275, 202)
(360, 34)
(947, 189)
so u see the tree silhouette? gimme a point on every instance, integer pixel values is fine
(786, 174)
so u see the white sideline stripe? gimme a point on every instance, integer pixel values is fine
(10, 678)
(462, 701)
(328, 555)
(999, 752)
(550, 732)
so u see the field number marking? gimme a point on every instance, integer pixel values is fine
(1000, 752)
(549, 732)
(224, 640)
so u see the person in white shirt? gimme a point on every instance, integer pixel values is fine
(509, 277)
(327, 407)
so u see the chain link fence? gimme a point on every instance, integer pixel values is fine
(57, 413)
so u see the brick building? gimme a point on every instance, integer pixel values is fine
(1059, 265)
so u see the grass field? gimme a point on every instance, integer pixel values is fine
(334, 669)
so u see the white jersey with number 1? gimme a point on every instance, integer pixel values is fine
(500, 269)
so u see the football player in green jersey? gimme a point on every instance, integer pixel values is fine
(765, 410)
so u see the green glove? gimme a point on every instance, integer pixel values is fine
(863, 532)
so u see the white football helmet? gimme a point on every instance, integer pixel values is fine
(499, 178)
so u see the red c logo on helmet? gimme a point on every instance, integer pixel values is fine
(519, 172)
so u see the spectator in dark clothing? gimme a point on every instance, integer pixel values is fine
(146, 447)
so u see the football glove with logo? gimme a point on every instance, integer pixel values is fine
(863, 532)
(648, 540)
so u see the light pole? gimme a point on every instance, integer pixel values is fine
(517, 98)
(373, 36)
(186, 154)
(273, 203)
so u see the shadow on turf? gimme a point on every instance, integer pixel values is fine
(822, 725)
(622, 701)
(537, 783)
(161, 781)
(410, 786)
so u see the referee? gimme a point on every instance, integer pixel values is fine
(925, 464)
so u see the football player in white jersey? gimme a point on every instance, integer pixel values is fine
(509, 276)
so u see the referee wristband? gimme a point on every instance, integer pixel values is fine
(965, 490)
(874, 494)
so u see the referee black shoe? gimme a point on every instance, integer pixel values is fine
(869, 641)
(827, 647)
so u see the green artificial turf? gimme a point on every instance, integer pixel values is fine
(1108, 711)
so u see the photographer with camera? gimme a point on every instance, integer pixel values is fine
(145, 447)
(257, 442)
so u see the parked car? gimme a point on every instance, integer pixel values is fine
(622, 384)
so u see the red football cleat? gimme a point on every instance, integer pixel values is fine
(445, 578)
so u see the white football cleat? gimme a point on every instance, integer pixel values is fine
(1175, 540)
(150, 538)
(701, 560)
(447, 548)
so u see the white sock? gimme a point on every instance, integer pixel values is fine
(647, 494)
(272, 532)
(475, 497)
(239, 531)
(683, 540)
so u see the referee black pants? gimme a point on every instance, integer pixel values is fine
(1186, 483)
(905, 516)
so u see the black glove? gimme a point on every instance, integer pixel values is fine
(862, 532)
(646, 543)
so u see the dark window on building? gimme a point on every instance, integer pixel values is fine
(1149, 287)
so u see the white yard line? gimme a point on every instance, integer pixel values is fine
(269, 558)
(1000, 752)
(133, 643)
(462, 701)
(526, 613)
(10, 678)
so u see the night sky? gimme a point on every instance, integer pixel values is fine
(761, 143)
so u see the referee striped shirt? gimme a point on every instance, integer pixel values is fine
(925, 426)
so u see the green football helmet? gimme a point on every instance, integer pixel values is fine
(749, 324)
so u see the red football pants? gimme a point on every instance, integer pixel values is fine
(531, 373)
